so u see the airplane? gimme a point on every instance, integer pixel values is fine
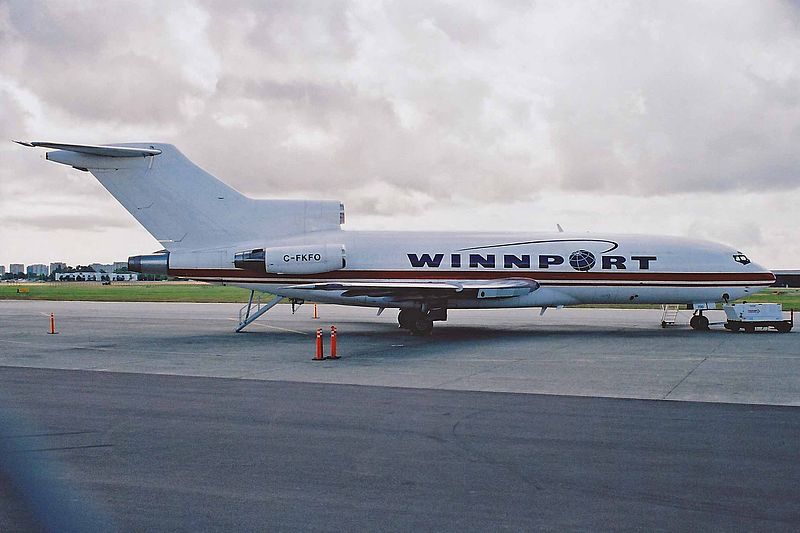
(297, 249)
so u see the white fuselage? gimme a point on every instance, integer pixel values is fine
(570, 268)
(297, 249)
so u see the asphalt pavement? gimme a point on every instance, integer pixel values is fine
(585, 352)
(155, 452)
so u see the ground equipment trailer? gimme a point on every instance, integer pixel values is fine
(748, 317)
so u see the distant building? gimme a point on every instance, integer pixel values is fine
(99, 267)
(38, 269)
(58, 265)
(16, 268)
(94, 276)
(786, 278)
(120, 265)
(2, 270)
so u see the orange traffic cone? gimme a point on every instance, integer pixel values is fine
(333, 344)
(319, 356)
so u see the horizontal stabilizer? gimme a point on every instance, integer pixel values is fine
(93, 149)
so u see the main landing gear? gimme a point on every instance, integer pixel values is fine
(420, 322)
(699, 322)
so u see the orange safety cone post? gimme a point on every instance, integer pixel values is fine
(316, 315)
(52, 324)
(333, 344)
(319, 356)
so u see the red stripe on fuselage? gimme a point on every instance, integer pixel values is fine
(759, 278)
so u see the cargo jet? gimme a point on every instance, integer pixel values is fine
(296, 249)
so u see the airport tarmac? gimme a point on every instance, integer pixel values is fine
(145, 452)
(584, 352)
(159, 417)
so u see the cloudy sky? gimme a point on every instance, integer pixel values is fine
(648, 117)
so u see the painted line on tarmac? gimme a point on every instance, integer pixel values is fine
(108, 349)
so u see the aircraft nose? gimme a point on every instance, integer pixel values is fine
(758, 267)
(766, 273)
(754, 269)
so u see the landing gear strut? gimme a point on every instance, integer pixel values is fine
(699, 322)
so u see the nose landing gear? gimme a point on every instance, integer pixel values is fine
(699, 322)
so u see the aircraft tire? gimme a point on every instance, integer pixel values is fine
(406, 317)
(422, 326)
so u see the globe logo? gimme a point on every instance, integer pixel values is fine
(582, 260)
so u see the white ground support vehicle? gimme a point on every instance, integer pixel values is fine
(751, 316)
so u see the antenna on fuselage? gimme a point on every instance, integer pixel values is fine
(560, 229)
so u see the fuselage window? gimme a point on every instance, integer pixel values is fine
(741, 258)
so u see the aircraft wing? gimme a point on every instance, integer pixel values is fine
(418, 290)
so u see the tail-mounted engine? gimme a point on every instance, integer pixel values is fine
(150, 264)
(300, 259)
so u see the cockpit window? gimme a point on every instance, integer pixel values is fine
(739, 257)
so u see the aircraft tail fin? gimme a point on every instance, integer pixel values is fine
(185, 207)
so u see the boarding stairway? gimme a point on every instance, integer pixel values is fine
(669, 314)
(254, 309)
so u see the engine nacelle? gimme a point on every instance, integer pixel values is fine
(297, 259)
(306, 259)
(149, 264)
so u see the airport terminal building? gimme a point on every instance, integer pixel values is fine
(787, 278)
(94, 276)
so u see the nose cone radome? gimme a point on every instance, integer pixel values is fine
(767, 273)
(760, 272)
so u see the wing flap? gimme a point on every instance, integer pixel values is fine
(396, 289)
(424, 289)
(502, 288)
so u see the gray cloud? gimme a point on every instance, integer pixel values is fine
(76, 60)
(395, 106)
(49, 222)
(481, 102)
